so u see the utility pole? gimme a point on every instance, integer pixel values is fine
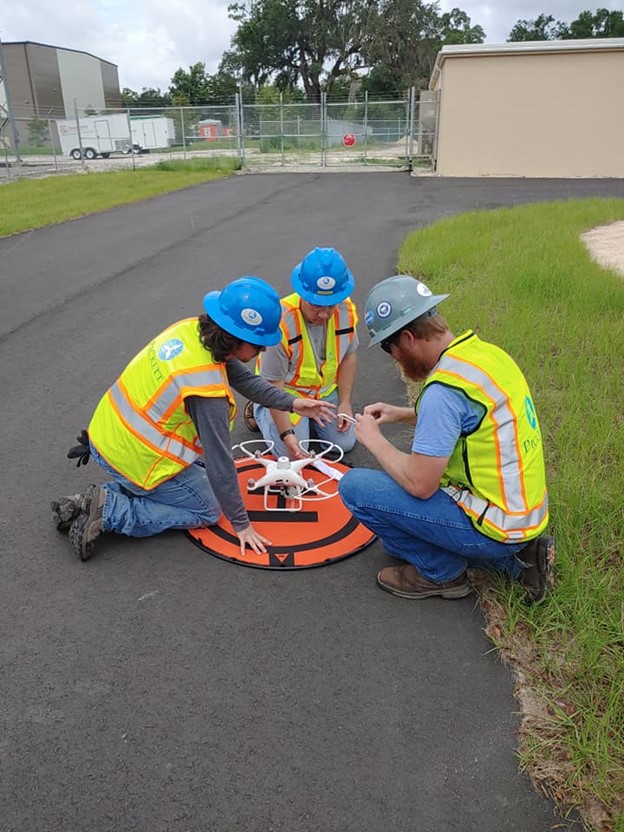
(6, 112)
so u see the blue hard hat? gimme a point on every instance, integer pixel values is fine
(248, 308)
(322, 277)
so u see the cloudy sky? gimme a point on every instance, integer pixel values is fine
(150, 39)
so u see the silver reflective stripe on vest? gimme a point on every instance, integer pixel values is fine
(515, 527)
(148, 431)
(344, 319)
(199, 378)
(510, 469)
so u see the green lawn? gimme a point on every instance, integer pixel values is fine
(522, 278)
(32, 203)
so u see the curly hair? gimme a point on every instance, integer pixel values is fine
(217, 340)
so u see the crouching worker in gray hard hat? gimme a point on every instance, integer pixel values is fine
(472, 492)
(172, 404)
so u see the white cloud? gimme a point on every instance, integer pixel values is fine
(147, 39)
(150, 39)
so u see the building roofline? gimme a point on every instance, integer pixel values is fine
(62, 48)
(522, 48)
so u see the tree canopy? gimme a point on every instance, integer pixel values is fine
(320, 43)
(599, 24)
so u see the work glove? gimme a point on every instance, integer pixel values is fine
(82, 451)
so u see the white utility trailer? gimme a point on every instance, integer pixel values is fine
(152, 131)
(93, 136)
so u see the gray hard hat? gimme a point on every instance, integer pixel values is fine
(394, 303)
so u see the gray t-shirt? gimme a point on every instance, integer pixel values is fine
(211, 417)
(274, 365)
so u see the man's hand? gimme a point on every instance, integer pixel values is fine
(293, 448)
(250, 537)
(387, 413)
(321, 411)
(367, 430)
(344, 424)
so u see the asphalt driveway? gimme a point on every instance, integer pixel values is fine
(159, 689)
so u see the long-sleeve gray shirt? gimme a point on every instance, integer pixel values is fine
(212, 419)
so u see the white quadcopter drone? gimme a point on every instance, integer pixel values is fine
(283, 476)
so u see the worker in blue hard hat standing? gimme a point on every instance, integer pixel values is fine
(315, 356)
(172, 404)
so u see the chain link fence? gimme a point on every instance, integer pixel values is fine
(391, 133)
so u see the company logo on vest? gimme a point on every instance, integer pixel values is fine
(529, 409)
(170, 349)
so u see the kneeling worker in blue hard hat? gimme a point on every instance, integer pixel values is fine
(172, 404)
(472, 492)
(315, 356)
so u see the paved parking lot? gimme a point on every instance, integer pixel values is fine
(157, 688)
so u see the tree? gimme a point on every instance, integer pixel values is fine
(405, 36)
(601, 24)
(193, 86)
(38, 131)
(312, 41)
(456, 28)
(543, 27)
(148, 97)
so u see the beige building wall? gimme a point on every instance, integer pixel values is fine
(553, 109)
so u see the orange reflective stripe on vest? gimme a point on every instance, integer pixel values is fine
(141, 426)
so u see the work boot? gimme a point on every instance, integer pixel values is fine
(66, 509)
(249, 419)
(538, 561)
(87, 527)
(407, 582)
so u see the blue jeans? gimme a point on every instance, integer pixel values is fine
(330, 433)
(185, 501)
(434, 535)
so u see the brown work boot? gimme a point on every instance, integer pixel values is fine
(407, 582)
(249, 418)
(538, 574)
(87, 527)
(66, 509)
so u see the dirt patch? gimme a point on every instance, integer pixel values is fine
(606, 245)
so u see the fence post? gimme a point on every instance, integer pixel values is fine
(282, 126)
(365, 125)
(56, 167)
(130, 134)
(410, 158)
(324, 124)
(407, 121)
(183, 129)
(7, 164)
(82, 159)
(239, 127)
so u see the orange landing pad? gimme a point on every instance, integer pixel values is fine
(322, 532)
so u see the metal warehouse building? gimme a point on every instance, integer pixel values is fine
(540, 108)
(44, 80)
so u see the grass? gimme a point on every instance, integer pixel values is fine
(522, 279)
(28, 204)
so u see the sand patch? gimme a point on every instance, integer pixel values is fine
(606, 245)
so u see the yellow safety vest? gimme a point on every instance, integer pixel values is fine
(303, 377)
(497, 473)
(140, 426)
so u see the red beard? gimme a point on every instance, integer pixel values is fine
(414, 368)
